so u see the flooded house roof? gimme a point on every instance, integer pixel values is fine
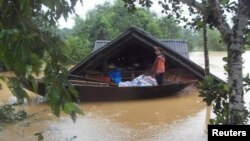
(177, 45)
(138, 46)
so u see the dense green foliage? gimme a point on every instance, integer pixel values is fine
(107, 21)
(216, 94)
(29, 45)
(77, 49)
(214, 41)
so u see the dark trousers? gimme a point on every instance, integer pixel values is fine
(159, 78)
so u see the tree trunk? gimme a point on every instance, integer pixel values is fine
(235, 81)
(206, 49)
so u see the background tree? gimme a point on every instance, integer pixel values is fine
(77, 49)
(107, 21)
(205, 42)
(215, 42)
(234, 36)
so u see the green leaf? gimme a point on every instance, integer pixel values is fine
(70, 107)
(1, 3)
(73, 91)
(17, 90)
(34, 85)
(3, 33)
(53, 97)
(224, 2)
(28, 70)
(39, 136)
(2, 78)
(22, 4)
(225, 59)
(225, 68)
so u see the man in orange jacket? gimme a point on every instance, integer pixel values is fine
(158, 67)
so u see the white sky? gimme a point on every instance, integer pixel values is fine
(81, 10)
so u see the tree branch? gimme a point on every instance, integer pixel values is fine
(215, 15)
(220, 21)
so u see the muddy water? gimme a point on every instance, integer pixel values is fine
(173, 118)
(133, 120)
(216, 65)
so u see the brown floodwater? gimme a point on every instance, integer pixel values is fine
(177, 117)
(216, 67)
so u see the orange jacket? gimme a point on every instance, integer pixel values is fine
(159, 65)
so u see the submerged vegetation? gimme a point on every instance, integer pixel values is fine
(8, 114)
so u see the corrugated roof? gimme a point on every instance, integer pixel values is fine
(177, 45)
(99, 44)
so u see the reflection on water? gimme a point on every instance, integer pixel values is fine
(172, 118)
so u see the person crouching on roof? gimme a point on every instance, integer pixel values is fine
(158, 67)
